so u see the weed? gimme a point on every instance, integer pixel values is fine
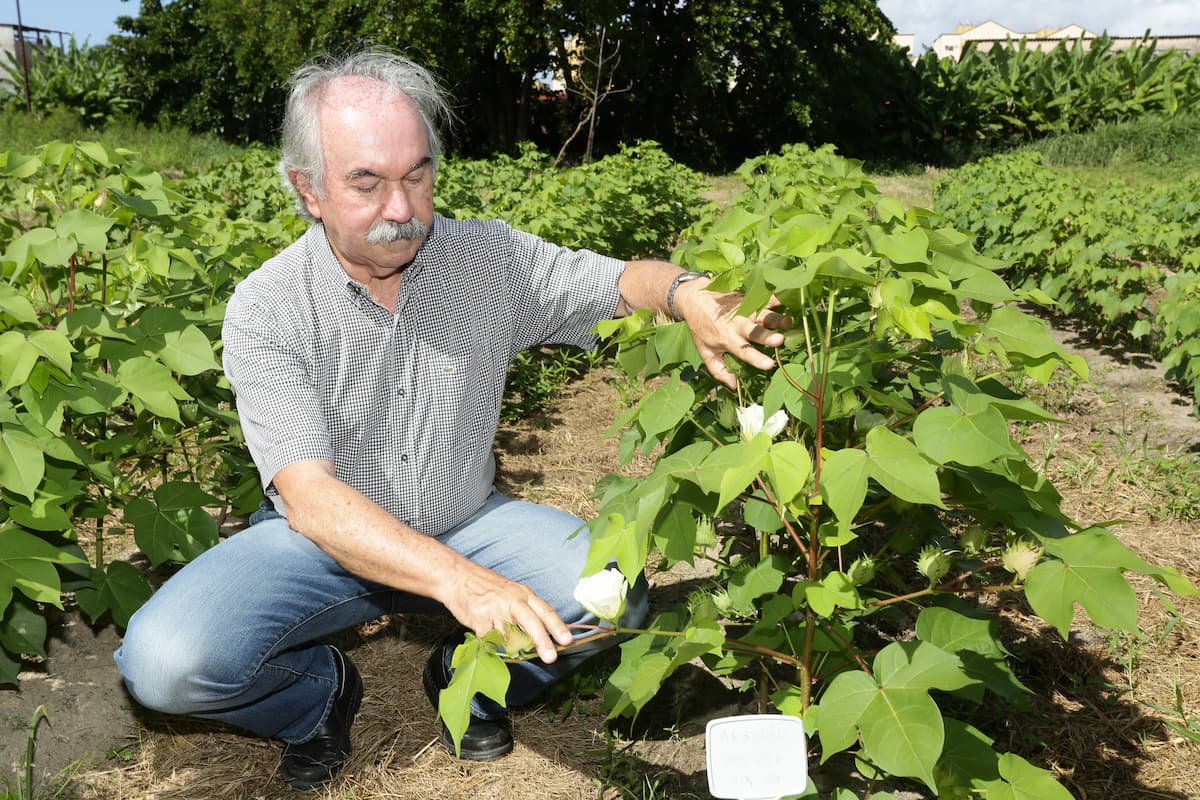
(24, 788)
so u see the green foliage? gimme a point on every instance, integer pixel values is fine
(1126, 259)
(112, 401)
(172, 151)
(88, 82)
(628, 205)
(1172, 142)
(1014, 93)
(889, 501)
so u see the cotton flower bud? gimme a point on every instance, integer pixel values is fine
(603, 594)
(933, 562)
(862, 570)
(706, 533)
(875, 296)
(1020, 556)
(723, 601)
(516, 640)
(974, 540)
(727, 414)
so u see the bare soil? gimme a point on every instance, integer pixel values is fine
(1098, 723)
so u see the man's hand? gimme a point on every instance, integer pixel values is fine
(484, 600)
(371, 543)
(717, 328)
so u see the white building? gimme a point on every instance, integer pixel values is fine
(987, 35)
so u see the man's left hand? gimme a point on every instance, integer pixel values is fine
(718, 329)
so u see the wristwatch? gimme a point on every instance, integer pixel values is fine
(682, 277)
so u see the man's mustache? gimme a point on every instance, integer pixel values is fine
(386, 232)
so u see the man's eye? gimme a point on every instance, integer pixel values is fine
(364, 188)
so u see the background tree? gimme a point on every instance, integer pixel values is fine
(713, 82)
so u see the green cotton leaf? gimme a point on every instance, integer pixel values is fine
(899, 467)
(802, 235)
(181, 495)
(20, 251)
(27, 563)
(665, 407)
(834, 591)
(920, 665)
(477, 670)
(613, 539)
(674, 345)
(172, 534)
(89, 228)
(10, 668)
(43, 514)
(844, 484)
(23, 628)
(1089, 571)
(1021, 333)
(22, 463)
(16, 306)
(843, 704)
(53, 347)
(747, 585)
(641, 683)
(19, 165)
(909, 247)
(903, 733)
(119, 588)
(1023, 781)
(844, 263)
(955, 632)
(967, 761)
(896, 308)
(948, 434)
(986, 286)
(789, 466)
(20, 353)
(729, 470)
(675, 534)
(188, 351)
(152, 384)
(17, 360)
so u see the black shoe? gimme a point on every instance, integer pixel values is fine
(310, 764)
(485, 739)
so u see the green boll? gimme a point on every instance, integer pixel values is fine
(933, 562)
(974, 540)
(1020, 556)
(862, 570)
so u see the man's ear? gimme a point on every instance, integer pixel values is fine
(306, 191)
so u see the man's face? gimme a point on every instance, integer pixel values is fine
(378, 184)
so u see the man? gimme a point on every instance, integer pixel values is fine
(369, 360)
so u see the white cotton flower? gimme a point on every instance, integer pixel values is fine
(603, 594)
(751, 419)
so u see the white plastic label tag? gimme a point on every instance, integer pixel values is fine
(756, 757)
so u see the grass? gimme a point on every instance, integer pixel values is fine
(1153, 147)
(173, 151)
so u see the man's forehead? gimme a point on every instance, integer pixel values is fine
(357, 91)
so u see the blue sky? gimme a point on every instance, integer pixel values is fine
(928, 18)
(95, 19)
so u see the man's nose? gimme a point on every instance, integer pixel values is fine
(398, 208)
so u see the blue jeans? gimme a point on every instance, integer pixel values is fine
(233, 635)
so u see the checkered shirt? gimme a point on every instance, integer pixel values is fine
(406, 404)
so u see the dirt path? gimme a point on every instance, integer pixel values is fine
(1103, 742)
